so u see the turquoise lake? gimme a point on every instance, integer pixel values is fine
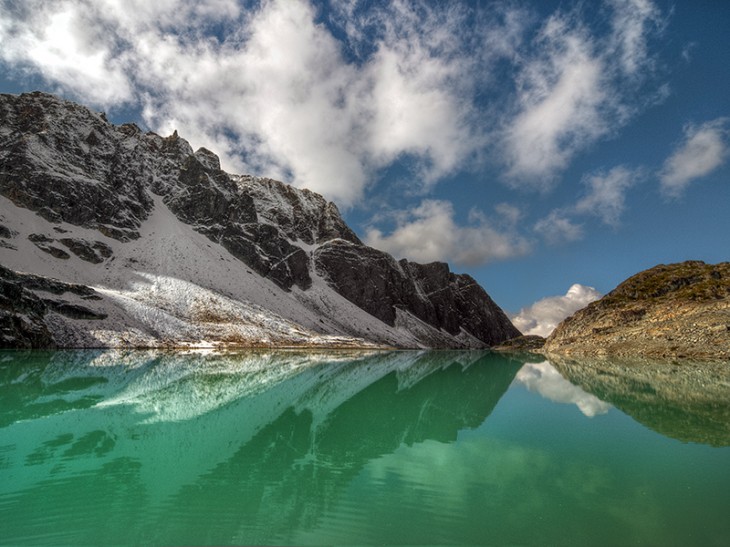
(311, 448)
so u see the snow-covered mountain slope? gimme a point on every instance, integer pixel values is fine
(111, 237)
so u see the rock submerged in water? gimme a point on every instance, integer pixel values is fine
(676, 311)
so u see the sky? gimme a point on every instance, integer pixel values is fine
(549, 149)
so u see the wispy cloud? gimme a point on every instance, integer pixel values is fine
(560, 94)
(429, 233)
(704, 149)
(606, 196)
(558, 227)
(571, 92)
(634, 22)
(543, 316)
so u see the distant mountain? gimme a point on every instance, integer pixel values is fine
(669, 311)
(113, 237)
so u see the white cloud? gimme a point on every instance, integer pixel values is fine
(275, 92)
(429, 233)
(415, 111)
(633, 21)
(705, 148)
(542, 378)
(272, 93)
(543, 316)
(607, 194)
(571, 92)
(560, 96)
(557, 228)
(60, 39)
(605, 198)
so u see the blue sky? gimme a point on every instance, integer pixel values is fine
(531, 144)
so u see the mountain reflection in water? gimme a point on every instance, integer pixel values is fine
(686, 401)
(312, 447)
(226, 432)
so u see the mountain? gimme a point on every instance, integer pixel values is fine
(115, 237)
(669, 311)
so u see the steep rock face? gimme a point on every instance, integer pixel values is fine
(99, 189)
(69, 164)
(23, 310)
(379, 284)
(669, 311)
(300, 214)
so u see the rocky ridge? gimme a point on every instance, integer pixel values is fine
(676, 311)
(160, 232)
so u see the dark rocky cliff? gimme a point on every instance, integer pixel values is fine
(70, 165)
(379, 284)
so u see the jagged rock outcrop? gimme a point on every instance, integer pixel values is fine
(102, 193)
(379, 284)
(669, 311)
(26, 300)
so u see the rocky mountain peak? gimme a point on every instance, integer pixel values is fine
(99, 187)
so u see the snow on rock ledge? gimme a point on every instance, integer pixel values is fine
(179, 252)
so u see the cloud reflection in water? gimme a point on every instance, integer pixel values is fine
(542, 378)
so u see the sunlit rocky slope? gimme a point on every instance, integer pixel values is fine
(669, 311)
(110, 236)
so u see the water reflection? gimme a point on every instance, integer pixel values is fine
(345, 447)
(682, 400)
(170, 438)
(544, 379)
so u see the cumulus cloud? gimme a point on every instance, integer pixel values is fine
(268, 88)
(704, 149)
(429, 232)
(278, 92)
(570, 90)
(542, 378)
(543, 316)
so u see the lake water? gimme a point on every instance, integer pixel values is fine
(154, 448)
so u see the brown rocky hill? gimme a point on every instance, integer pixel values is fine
(669, 311)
